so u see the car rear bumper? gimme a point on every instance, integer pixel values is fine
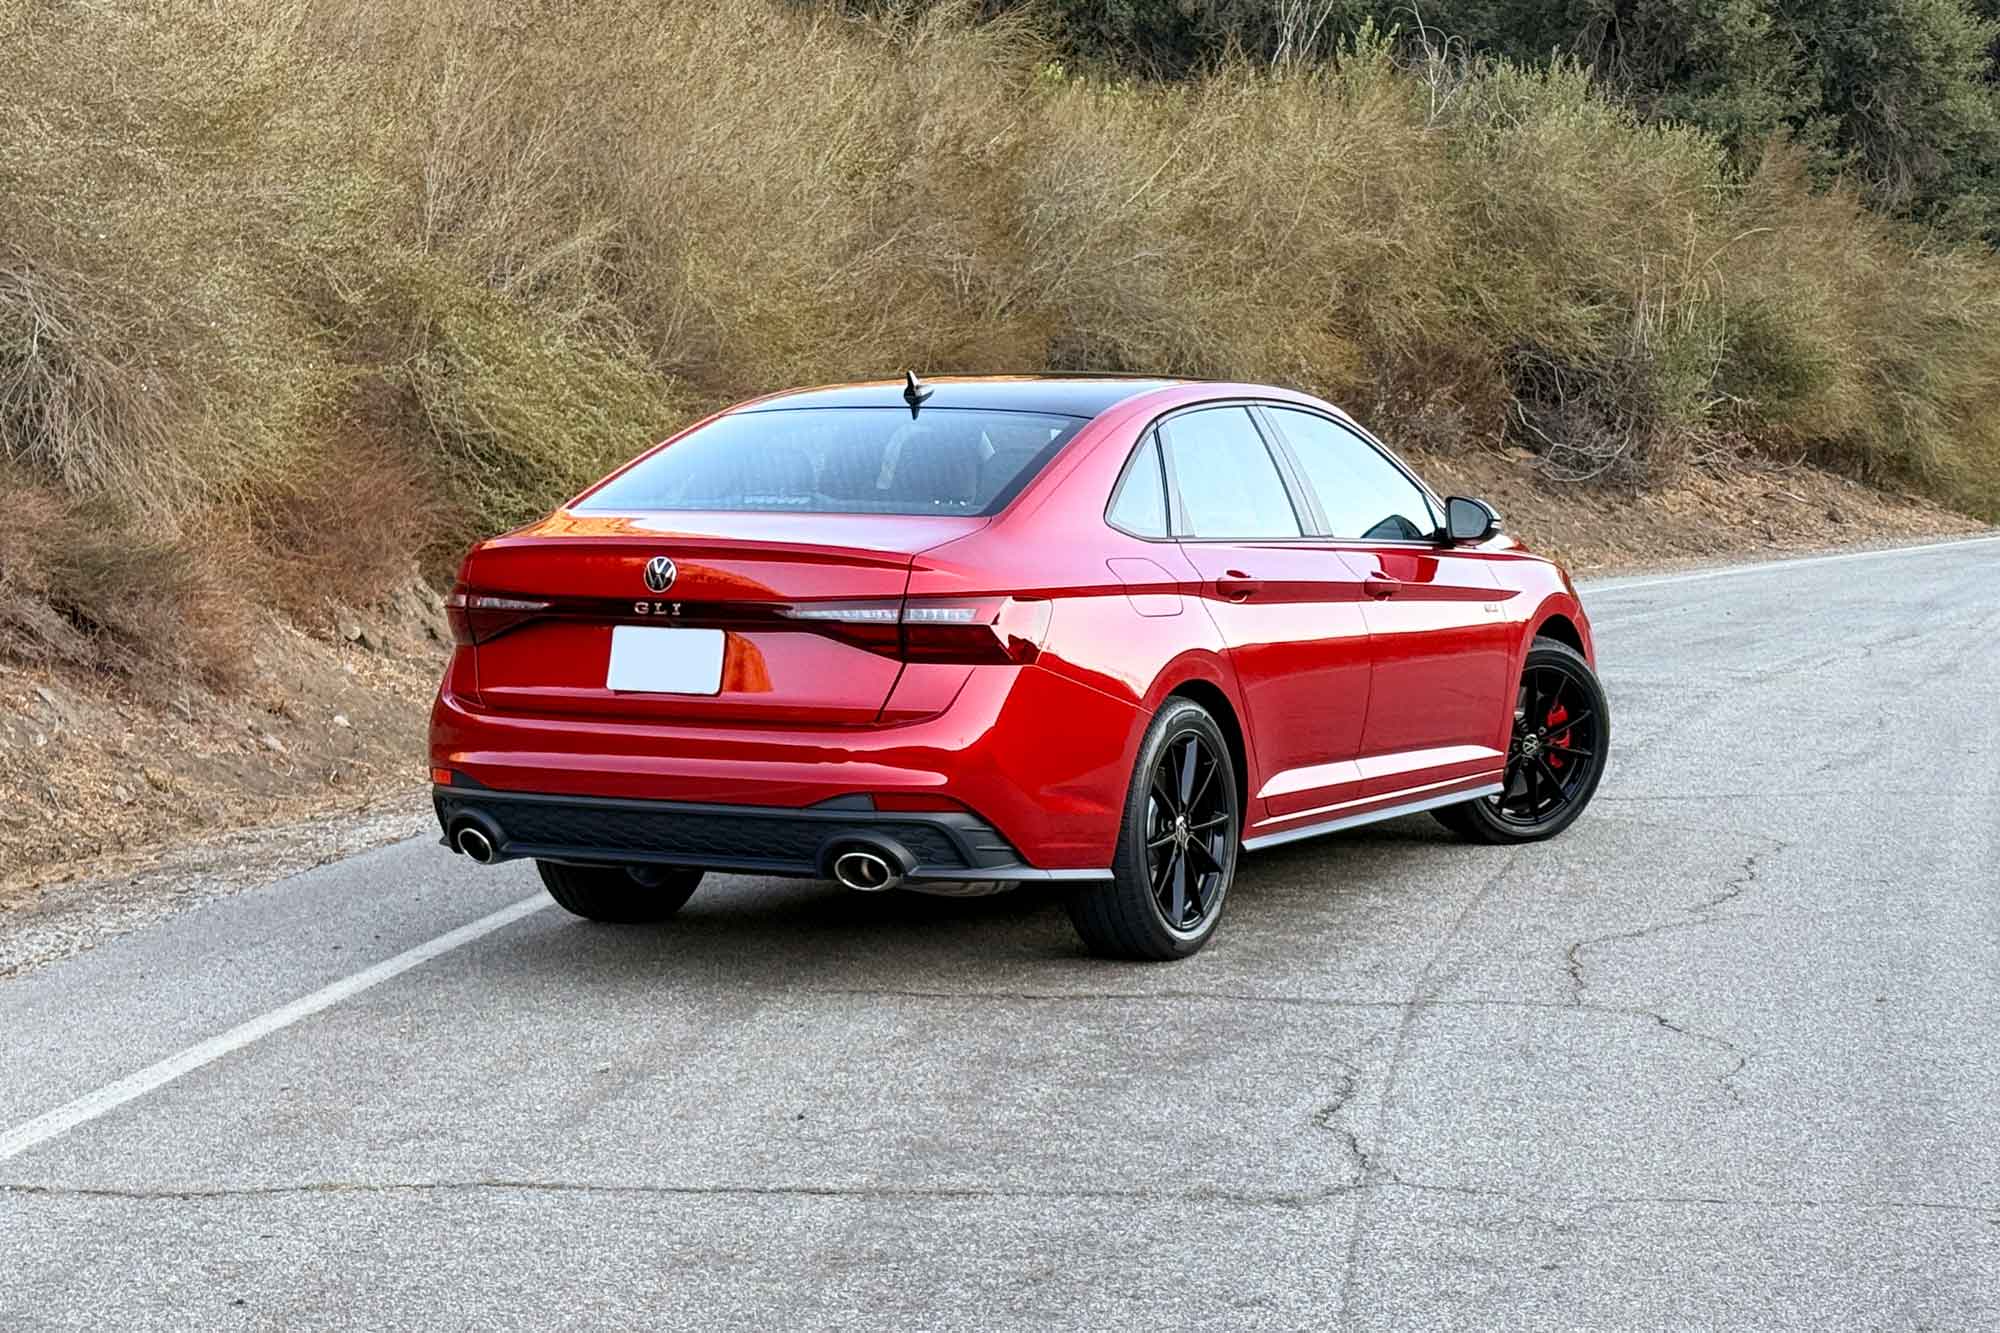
(942, 845)
(1038, 761)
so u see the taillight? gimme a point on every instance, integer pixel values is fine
(942, 629)
(876, 626)
(479, 617)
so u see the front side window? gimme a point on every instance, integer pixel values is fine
(845, 460)
(1364, 496)
(1229, 485)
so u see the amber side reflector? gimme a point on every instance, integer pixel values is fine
(441, 776)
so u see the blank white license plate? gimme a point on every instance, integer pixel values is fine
(646, 660)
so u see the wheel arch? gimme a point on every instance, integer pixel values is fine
(1561, 619)
(1562, 629)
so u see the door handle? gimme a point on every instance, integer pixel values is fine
(1381, 585)
(1236, 586)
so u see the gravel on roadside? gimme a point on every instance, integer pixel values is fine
(56, 919)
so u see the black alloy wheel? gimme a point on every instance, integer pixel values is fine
(1188, 821)
(1177, 847)
(1555, 757)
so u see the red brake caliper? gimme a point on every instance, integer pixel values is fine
(1558, 739)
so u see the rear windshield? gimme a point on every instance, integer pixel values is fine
(846, 460)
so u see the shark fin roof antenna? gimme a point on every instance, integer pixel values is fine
(915, 392)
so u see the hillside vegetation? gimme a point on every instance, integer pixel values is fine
(1901, 96)
(291, 293)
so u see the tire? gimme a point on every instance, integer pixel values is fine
(1128, 915)
(1553, 767)
(619, 895)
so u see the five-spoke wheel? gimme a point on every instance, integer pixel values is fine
(1561, 734)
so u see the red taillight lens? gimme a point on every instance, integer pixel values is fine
(997, 629)
(478, 617)
(935, 629)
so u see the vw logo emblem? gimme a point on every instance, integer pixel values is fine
(660, 573)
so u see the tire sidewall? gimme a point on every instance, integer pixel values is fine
(1179, 718)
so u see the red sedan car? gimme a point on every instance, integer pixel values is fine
(953, 635)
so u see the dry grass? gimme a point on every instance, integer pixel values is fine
(89, 587)
(360, 280)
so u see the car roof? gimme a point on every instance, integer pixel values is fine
(1062, 395)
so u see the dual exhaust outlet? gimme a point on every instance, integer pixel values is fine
(863, 865)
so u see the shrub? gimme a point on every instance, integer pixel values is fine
(85, 585)
(357, 281)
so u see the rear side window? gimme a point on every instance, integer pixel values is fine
(1140, 507)
(1364, 496)
(1229, 486)
(845, 460)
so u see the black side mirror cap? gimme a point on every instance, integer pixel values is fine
(1469, 521)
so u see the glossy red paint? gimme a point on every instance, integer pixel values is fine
(1360, 675)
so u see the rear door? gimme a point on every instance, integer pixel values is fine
(1440, 696)
(1288, 609)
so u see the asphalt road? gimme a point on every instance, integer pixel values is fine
(1725, 1054)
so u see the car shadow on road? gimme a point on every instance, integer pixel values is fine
(807, 933)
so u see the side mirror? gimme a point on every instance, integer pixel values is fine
(1469, 520)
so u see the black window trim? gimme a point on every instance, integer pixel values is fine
(1263, 406)
(1305, 502)
(1280, 461)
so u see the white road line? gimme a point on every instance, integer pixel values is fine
(114, 1095)
(1606, 588)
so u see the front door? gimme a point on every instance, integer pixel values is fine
(1441, 695)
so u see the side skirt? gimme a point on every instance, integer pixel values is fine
(1369, 817)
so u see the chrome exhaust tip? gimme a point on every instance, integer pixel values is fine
(472, 840)
(865, 871)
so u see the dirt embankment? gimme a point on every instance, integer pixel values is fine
(99, 778)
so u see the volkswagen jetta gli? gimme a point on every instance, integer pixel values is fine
(954, 635)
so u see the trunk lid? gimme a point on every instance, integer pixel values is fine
(745, 576)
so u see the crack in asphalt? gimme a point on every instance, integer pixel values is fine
(1709, 1039)
(1573, 956)
(1705, 913)
(1378, 1139)
(1327, 1118)
(1379, 1181)
(881, 1193)
(1697, 1200)
(1322, 1119)
(1743, 883)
